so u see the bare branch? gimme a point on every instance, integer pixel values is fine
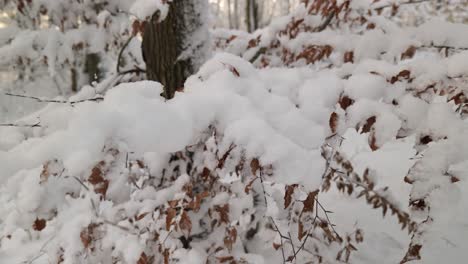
(327, 22)
(119, 58)
(42, 100)
(400, 4)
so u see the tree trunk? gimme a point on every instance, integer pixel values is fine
(236, 14)
(251, 15)
(229, 14)
(170, 50)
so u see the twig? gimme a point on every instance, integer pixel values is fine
(42, 100)
(326, 212)
(327, 22)
(400, 4)
(41, 251)
(136, 70)
(121, 53)
(37, 98)
(21, 125)
(260, 51)
(82, 184)
(281, 238)
(444, 47)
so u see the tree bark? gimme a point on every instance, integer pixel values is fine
(166, 44)
(251, 15)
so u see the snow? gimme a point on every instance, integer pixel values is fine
(144, 9)
(205, 176)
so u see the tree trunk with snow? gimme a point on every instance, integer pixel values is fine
(174, 47)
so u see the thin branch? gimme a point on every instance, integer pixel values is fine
(260, 51)
(327, 22)
(135, 70)
(82, 184)
(444, 47)
(400, 4)
(42, 100)
(21, 125)
(281, 238)
(121, 53)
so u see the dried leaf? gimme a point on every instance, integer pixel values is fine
(309, 202)
(39, 224)
(143, 259)
(349, 57)
(373, 142)
(345, 102)
(223, 213)
(409, 53)
(141, 216)
(248, 187)
(230, 238)
(368, 125)
(276, 246)
(412, 253)
(255, 166)
(170, 214)
(225, 259)
(97, 180)
(166, 255)
(333, 122)
(185, 223)
(288, 194)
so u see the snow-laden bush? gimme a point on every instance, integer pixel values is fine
(257, 165)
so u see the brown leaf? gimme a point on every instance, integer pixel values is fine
(39, 224)
(412, 253)
(309, 202)
(255, 166)
(409, 53)
(300, 230)
(170, 214)
(368, 125)
(141, 216)
(333, 122)
(349, 57)
(225, 259)
(143, 259)
(166, 255)
(458, 98)
(404, 74)
(87, 235)
(373, 142)
(345, 102)
(225, 156)
(196, 203)
(97, 179)
(223, 213)
(230, 238)
(232, 69)
(185, 223)
(288, 194)
(140, 164)
(248, 187)
(276, 246)
(50, 168)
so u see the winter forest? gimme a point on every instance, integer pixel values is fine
(233, 131)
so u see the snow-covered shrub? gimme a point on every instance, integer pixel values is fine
(296, 163)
